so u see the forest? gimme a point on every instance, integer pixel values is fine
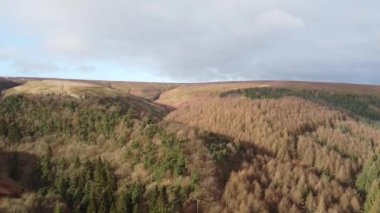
(311, 154)
(245, 150)
(366, 106)
(90, 184)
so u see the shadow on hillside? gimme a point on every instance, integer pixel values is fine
(6, 84)
(143, 106)
(19, 167)
(147, 107)
(230, 154)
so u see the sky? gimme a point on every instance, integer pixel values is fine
(191, 41)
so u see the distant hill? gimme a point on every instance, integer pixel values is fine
(77, 88)
(6, 84)
(172, 94)
(193, 92)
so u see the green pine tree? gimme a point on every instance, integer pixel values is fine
(92, 205)
(77, 162)
(46, 166)
(3, 128)
(58, 208)
(373, 198)
(14, 134)
(125, 203)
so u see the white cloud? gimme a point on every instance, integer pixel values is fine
(204, 40)
(67, 44)
(8, 53)
(86, 68)
(25, 66)
(275, 19)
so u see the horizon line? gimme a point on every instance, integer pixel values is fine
(201, 82)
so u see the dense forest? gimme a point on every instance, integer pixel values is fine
(366, 106)
(88, 183)
(311, 155)
(249, 150)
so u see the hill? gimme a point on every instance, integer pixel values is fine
(6, 84)
(192, 92)
(93, 146)
(80, 88)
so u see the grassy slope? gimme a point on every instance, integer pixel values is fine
(170, 94)
(151, 91)
(193, 92)
(76, 88)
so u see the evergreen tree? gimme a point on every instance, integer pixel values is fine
(92, 207)
(3, 128)
(14, 134)
(58, 208)
(153, 202)
(180, 166)
(373, 198)
(46, 167)
(121, 205)
(125, 203)
(77, 163)
(89, 170)
(163, 200)
(180, 197)
(84, 198)
(158, 200)
(129, 116)
(136, 191)
(61, 184)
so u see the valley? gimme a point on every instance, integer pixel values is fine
(255, 146)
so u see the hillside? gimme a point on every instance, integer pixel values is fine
(192, 92)
(6, 84)
(78, 88)
(91, 146)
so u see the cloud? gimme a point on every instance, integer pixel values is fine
(277, 20)
(23, 63)
(66, 44)
(29, 66)
(205, 40)
(8, 53)
(86, 68)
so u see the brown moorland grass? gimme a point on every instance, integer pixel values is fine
(150, 91)
(56, 87)
(202, 91)
(172, 94)
(76, 88)
(193, 92)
